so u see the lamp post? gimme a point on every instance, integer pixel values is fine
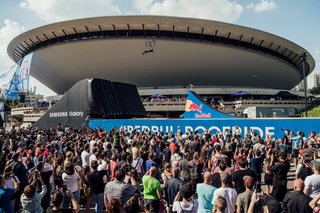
(191, 86)
(303, 58)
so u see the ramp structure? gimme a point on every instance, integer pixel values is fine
(92, 99)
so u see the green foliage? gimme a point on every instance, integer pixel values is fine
(301, 90)
(315, 90)
(313, 111)
(8, 104)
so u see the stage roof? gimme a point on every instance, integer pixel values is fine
(187, 51)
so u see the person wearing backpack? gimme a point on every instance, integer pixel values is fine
(297, 144)
(195, 168)
(21, 172)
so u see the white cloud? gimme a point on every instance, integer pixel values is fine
(317, 53)
(262, 6)
(7, 33)
(221, 10)
(60, 10)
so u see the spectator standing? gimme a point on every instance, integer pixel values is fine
(152, 190)
(172, 187)
(187, 205)
(280, 172)
(297, 201)
(85, 156)
(312, 183)
(5, 194)
(244, 199)
(227, 193)
(95, 178)
(296, 141)
(205, 193)
(119, 189)
(70, 178)
(237, 178)
(256, 163)
(21, 172)
(167, 152)
(57, 201)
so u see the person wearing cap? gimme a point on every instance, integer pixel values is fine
(244, 199)
(187, 205)
(205, 192)
(312, 183)
(21, 172)
(297, 201)
(280, 174)
(310, 150)
(226, 192)
(57, 201)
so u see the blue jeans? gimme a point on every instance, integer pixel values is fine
(98, 199)
(67, 200)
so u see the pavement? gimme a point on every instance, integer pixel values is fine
(291, 178)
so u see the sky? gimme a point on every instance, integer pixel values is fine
(295, 20)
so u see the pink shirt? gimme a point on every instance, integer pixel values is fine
(227, 170)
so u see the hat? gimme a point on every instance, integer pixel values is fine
(16, 156)
(273, 205)
(316, 164)
(248, 181)
(185, 191)
(224, 176)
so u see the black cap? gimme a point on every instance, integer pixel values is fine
(273, 205)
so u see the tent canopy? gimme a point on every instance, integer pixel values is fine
(157, 96)
(285, 94)
(241, 93)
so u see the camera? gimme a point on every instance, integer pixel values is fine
(64, 188)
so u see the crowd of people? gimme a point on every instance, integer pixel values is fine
(65, 169)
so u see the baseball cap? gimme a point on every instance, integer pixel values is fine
(273, 205)
(185, 191)
(316, 164)
(248, 181)
(224, 176)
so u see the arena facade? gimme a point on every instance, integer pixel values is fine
(188, 51)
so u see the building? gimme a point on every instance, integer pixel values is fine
(300, 86)
(32, 98)
(316, 78)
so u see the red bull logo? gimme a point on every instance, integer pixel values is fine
(195, 107)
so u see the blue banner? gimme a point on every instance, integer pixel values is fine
(196, 108)
(12, 92)
(1, 106)
(24, 73)
(262, 126)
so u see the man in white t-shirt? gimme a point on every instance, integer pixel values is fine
(312, 183)
(227, 193)
(85, 156)
(91, 143)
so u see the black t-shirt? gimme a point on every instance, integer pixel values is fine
(50, 210)
(287, 138)
(216, 180)
(195, 145)
(144, 156)
(167, 155)
(237, 177)
(304, 172)
(96, 180)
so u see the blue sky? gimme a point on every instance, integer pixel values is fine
(295, 20)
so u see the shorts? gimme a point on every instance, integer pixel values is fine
(289, 149)
(268, 179)
(295, 153)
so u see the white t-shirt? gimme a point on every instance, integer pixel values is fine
(181, 207)
(105, 144)
(71, 181)
(10, 183)
(138, 161)
(85, 156)
(91, 145)
(91, 158)
(230, 195)
(312, 183)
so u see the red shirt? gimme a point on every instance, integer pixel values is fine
(101, 134)
(172, 146)
(113, 168)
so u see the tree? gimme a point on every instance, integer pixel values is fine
(8, 104)
(301, 90)
(315, 90)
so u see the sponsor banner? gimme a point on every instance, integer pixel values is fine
(12, 92)
(263, 127)
(24, 73)
(196, 108)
